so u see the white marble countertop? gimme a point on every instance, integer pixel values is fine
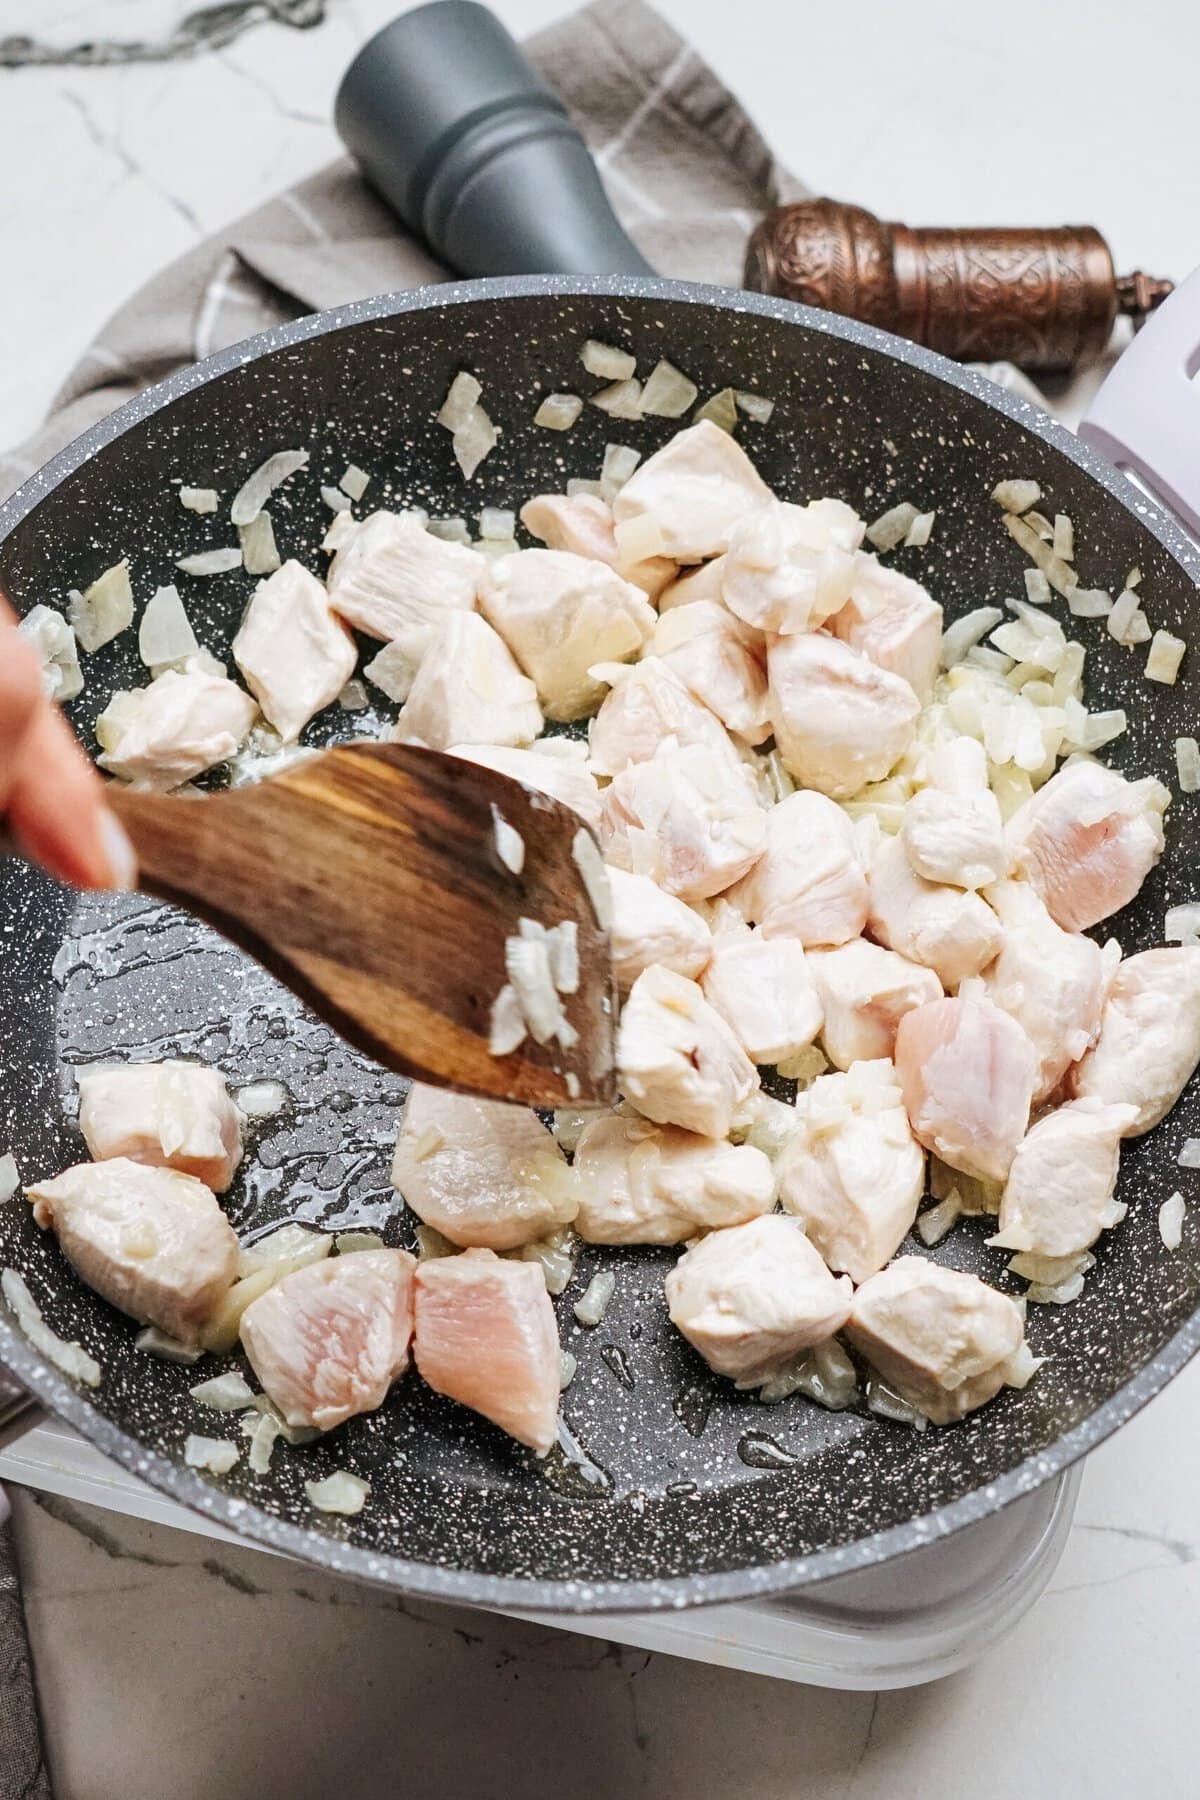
(171, 1666)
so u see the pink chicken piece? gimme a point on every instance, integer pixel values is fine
(809, 882)
(650, 926)
(583, 523)
(788, 568)
(168, 1115)
(951, 930)
(967, 1072)
(764, 991)
(686, 818)
(1149, 1042)
(891, 619)
(395, 580)
(694, 490)
(327, 1341)
(486, 1337)
(294, 652)
(564, 778)
(1087, 841)
(644, 707)
(840, 721)
(706, 647)
(864, 992)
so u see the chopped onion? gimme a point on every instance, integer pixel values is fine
(335, 500)
(1170, 1221)
(165, 635)
(606, 361)
(72, 1359)
(349, 1243)
(462, 397)
(1189, 1156)
(355, 482)
(720, 410)
(578, 484)
(291, 1244)
(1022, 1366)
(1059, 1294)
(10, 1179)
(210, 562)
(341, 529)
(253, 495)
(431, 1245)
(558, 412)
(555, 1254)
(593, 1303)
(507, 1023)
(1166, 654)
(892, 527)
(1090, 603)
(452, 530)
(568, 1127)
(221, 1331)
(262, 1099)
(933, 1224)
(592, 872)
(1063, 541)
(1039, 523)
(962, 636)
(1121, 617)
(1016, 496)
(475, 439)
(230, 1392)
(1182, 924)
(772, 1127)
(567, 1366)
(260, 553)
(393, 671)
(563, 944)
(199, 500)
(494, 548)
(104, 610)
(214, 1454)
(1059, 574)
(510, 845)
(340, 1492)
(1037, 589)
(154, 1342)
(527, 965)
(755, 406)
(805, 1066)
(620, 460)
(497, 523)
(622, 400)
(354, 696)
(54, 642)
(266, 1429)
(1187, 761)
(919, 531)
(885, 1403)
(668, 393)
(1134, 578)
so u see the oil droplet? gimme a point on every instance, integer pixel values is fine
(617, 1363)
(759, 1451)
(681, 1490)
(691, 1406)
(572, 1470)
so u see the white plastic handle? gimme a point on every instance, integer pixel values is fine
(1146, 417)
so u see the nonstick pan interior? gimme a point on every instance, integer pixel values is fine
(685, 1491)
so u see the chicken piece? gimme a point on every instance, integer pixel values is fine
(396, 581)
(162, 735)
(945, 1341)
(695, 490)
(891, 619)
(789, 568)
(864, 992)
(650, 926)
(809, 882)
(967, 1072)
(168, 1115)
(327, 1341)
(152, 1242)
(558, 614)
(705, 582)
(762, 988)
(583, 524)
(705, 646)
(562, 777)
(481, 1172)
(468, 690)
(751, 1298)
(1052, 982)
(1087, 840)
(486, 1337)
(641, 1183)
(677, 1060)
(687, 818)
(839, 721)
(950, 930)
(852, 1171)
(295, 655)
(952, 830)
(1059, 1194)
(1149, 1042)
(646, 706)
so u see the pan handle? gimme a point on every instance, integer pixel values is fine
(1146, 417)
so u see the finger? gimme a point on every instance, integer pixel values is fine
(20, 698)
(56, 809)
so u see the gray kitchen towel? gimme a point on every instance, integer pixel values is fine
(23, 1773)
(687, 171)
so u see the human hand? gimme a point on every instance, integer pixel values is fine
(51, 798)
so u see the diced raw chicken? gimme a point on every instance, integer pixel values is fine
(583, 523)
(704, 582)
(695, 490)
(852, 1171)
(809, 882)
(645, 707)
(1052, 982)
(751, 1298)
(1149, 1042)
(1059, 1193)
(479, 1171)
(1087, 840)
(839, 721)
(677, 1060)
(891, 619)
(295, 655)
(168, 1115)
(705, 646)
(952, 831)
(945, 1341)
(563, 778)
(789, 568)
(687, 818)
(864, 992)
(560, 613)
(762, 988)
(395, 580)
(162, 735)
(468, 690)
(327, 1341)
(641, 1183)
(486, 1337)
(967, 1072)
(950, 930)
(152, 1242)
(650, 926)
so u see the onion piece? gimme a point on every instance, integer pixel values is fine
(497, 524)
(210, 562)
(620, 460)
(606, 361)
(1166, 654)
(462, 397)
(154, 1342)
(1063, 541)
(620, 400)
(165, 635)
(885, 1403)
(335, 500)
(230, 1392)
(1182, 924)
(567, 1366)
(558, 412)
(473, 441)
(263, 1435)
(638, 539)
(1121, 617)
(1037, 589)
(933, 1224)
(1016, 496)
(593, 1303)
(962, 636)
(342, 528)
(1187, 762)
(254, 493)
(104, 610)
(668, 393)
(349, 1243)
(1170, 1221)
(355, 482)
(892, 527)
(919, 532)
(354, 696)
(53, 640)
(216, 1455)
(510, 845)
(1189, 1156)
(287, 1247)
(71, 1358)
(1061, 576)
(199, 500)
(1090, 603)
(393, 671)
(755, 406)
(10, 1179)
(260, 553)
(261, 1099)
(507, 1023)
(579, 484)
(451, 530)
(340, 1492)
(720, 409)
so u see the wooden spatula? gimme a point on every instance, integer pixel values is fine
(372, 880)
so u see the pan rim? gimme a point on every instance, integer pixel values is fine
(562, 1595)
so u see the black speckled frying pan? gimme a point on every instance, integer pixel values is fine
(681, 1505)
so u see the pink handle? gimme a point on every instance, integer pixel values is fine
(1146, 417)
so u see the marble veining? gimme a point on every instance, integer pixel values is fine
(205, 28)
